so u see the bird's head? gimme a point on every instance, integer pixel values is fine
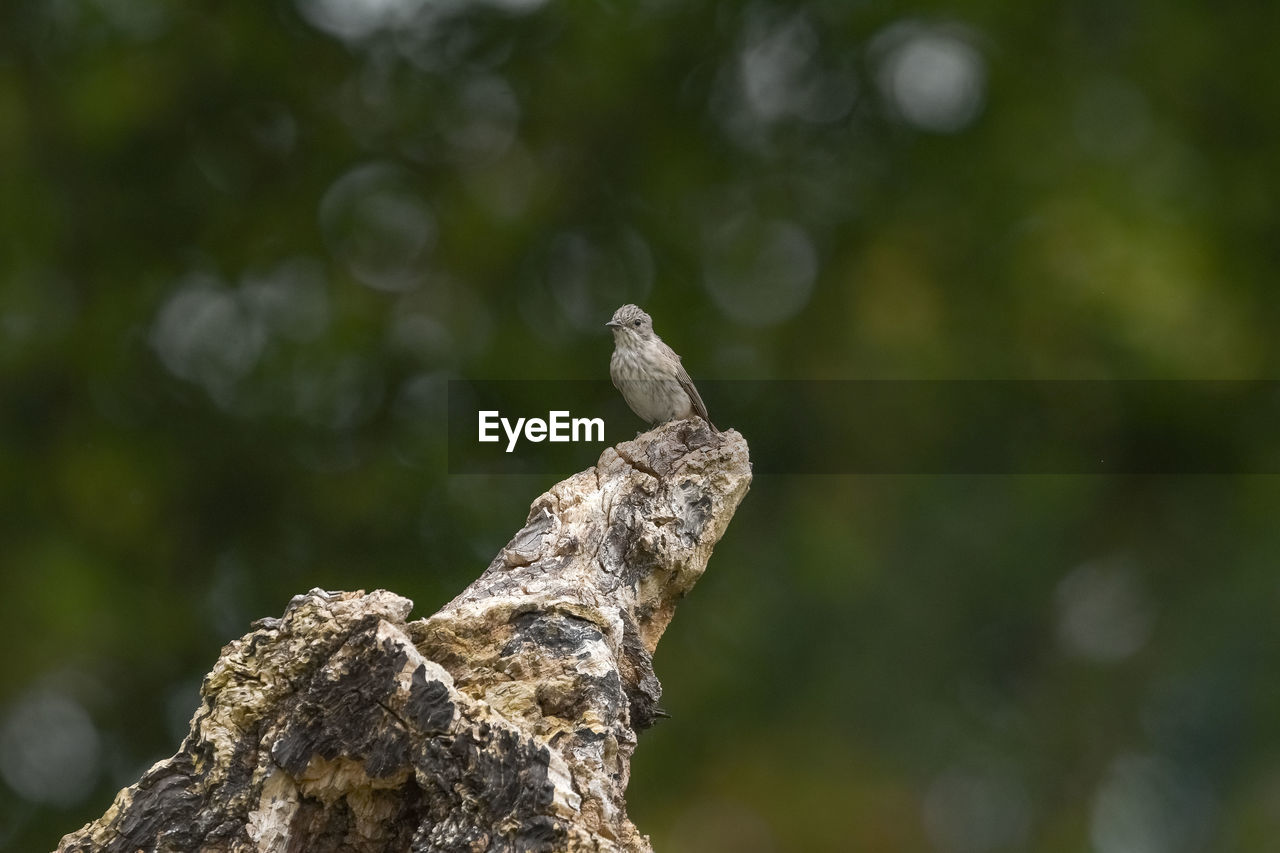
(631, 324)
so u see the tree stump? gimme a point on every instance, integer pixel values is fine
(505, 722)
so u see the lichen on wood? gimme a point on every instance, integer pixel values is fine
(504, 722)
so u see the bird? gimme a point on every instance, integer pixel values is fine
(649, 373)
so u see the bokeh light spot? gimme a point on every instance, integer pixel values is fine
(1147, 805)
(760, 272)
(356, 19)
(206, 335)
(378, 227)
(778, 73)
(1103, 612)
(291, 299)
(774, 67)
(934, 78)
(50, 750)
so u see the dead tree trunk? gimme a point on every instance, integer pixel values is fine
(505, 722)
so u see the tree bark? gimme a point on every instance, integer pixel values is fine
(504, 722)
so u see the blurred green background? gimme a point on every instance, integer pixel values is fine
(244, 246)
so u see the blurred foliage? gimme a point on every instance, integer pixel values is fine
(244, 247)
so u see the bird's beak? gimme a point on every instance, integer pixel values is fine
(613, 325)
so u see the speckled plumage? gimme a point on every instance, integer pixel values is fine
(649, 373)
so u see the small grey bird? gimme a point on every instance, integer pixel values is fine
(649, 373)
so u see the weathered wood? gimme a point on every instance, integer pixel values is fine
(504, 722)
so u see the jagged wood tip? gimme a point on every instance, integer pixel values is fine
(506, 721)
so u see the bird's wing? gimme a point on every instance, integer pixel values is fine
(699, 407)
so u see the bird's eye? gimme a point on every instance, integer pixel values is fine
(636, 324)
